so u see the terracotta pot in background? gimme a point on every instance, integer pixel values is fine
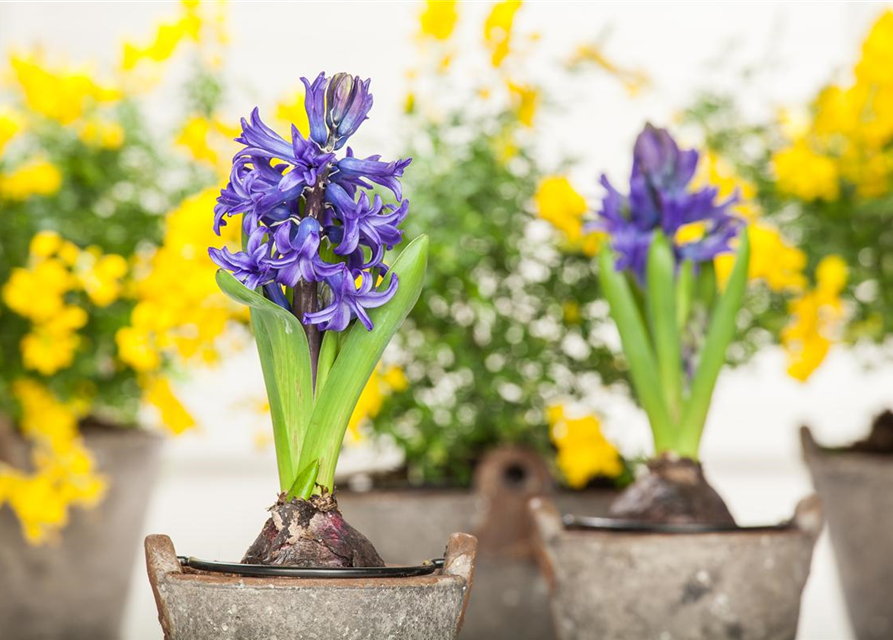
(77, 589)
(857, 491)
(742, 584)
(511, 598)
(194, 605)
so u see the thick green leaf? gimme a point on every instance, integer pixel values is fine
(285, 360)
(327, 353)
(713, 353)
(661, 306)
(637, 347)
(685, 291)
(305, 482)
(357, 359)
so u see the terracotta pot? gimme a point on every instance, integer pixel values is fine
(77, 589)
(614, 585)
(857, 491)
(511, 597)
(194, 605)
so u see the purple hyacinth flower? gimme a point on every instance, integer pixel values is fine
(348, 102)
(298, 246)
(660, 197)
(254, 266)
(315, 105)
(354, 172)
(363, 222)
(350, 301)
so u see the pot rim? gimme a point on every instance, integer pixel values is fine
(592, 523)
(266, 571)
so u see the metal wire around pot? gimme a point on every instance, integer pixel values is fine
(635, 526)
(266, 571)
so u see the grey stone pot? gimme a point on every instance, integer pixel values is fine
(857, 491)
(511, 598)
(193, 605)
(614, 585)
(77, 589)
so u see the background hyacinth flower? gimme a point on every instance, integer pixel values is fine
(315, 241)
(675, 324)
(661, 198)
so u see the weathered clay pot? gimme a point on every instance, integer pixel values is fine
(194, 605)
(857, 491)
(614, 585)
(511, 598)
(77, 589)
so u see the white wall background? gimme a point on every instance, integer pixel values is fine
(751, 444)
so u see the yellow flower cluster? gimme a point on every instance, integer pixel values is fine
(817, 318)
(168, 36)
(63, 95)
(525, 100)
(209, 140)
(498, 29)
(179, 307)
(583, 451)
(848, 139)
(559, 203)
(35, 178)
(381, 384)
(438, 19)
(773, 260)
(11, 124)
(56, 268)
(104, 135)
(63, 472)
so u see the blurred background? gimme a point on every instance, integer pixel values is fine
(491, 107)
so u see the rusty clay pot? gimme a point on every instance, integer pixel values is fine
(194, 605)
(511, 598)
(77, 588)
(615, 585)
(857, 491)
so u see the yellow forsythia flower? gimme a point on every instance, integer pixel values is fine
(816, 319)
(167, 38)
(50, 277)
(525, 99)
(803, 173)
(772, 260)
(179, 307)
(498, 29)
(583, 451)
(102, 278)
(59, 94)
(158, 393)
(63, 469)
(36, 178)
(438, 19)
(208, 140)
(51, 345)
(106, 135)
(560, 204)
(10, 124)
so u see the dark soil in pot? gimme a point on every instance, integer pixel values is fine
(77, 589)
(856, 487)
(511, 598)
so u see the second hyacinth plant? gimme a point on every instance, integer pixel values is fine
(675, 319)
(325, 301)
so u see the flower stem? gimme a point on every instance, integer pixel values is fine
(307, 293)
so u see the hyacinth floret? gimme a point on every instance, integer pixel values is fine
(661, 197)
(309, 219)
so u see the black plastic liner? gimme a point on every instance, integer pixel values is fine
(268, 571)
(635, 526)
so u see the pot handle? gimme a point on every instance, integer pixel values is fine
(808, 444)
(809, 515)
(458, 561)
(510, 471)
(547, 529)
(161, 561)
